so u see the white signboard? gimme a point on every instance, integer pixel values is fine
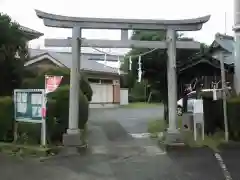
(198, 117)
(198, 106)
(30, 106)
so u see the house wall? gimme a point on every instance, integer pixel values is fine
(112, 81)
(42, 66)
(106, 87)
(216, 54)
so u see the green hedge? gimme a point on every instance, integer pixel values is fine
(213, 116)
(58, 111)
(57, 118)
(233, 109)
(133, 98)
(6, 119)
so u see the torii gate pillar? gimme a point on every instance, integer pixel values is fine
(72, 138)
(172, 81)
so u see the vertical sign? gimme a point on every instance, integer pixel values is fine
(28, 107)
(51, 84)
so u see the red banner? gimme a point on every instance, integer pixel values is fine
(44, 111)
(52, 83)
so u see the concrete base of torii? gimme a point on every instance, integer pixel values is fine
(72, 139)
(173, 138)
(73, 143)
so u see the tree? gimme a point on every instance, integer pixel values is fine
(154, 64)
(13, 53)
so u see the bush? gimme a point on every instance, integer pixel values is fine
(132, 98)
(6, 119)
(233, 108)
(137, 93)
(27, 132)
(58, 111)
(38, 82)
(213, 115)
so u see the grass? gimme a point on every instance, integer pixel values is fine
(212, 142)
(27, 150)
(157, 126)
(141, 105)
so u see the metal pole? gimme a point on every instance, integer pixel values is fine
(224, 88)
(237, 46)
(43, 124)
(172, 80)
(74, 82)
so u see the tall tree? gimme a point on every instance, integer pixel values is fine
(13, 53)
(154, 64)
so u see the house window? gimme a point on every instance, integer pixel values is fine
(92, 80)
(106, 81)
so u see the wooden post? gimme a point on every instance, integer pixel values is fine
(15, 133)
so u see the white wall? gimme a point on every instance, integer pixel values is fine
(102, 93)
(124, 97)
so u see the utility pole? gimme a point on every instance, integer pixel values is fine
(236, 29)
(224, 88)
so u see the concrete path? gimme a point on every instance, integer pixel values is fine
(115, 155)
(133, 120)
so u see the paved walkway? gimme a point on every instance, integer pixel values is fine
(115, 155)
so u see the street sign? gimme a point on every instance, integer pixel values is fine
(198, 117)
(29, 106)
(198, 106)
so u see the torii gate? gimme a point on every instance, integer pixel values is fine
(71, 138)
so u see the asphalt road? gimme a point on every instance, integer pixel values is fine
(132, 120)
(132, 163)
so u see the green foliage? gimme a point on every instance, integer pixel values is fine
(12, 40)
(213, 116)
(138, 92)
(156, 126)
(154, 64)
(38, 81)
(6, 119)
(58, 112)
(233, 108)
(57, 118)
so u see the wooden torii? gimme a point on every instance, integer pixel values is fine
(71, 138)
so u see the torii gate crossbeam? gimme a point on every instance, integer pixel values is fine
(121, 43)
(78, 23)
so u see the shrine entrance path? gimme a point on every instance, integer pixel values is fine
(114, 154)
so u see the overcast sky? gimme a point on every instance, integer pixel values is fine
(23, 12)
